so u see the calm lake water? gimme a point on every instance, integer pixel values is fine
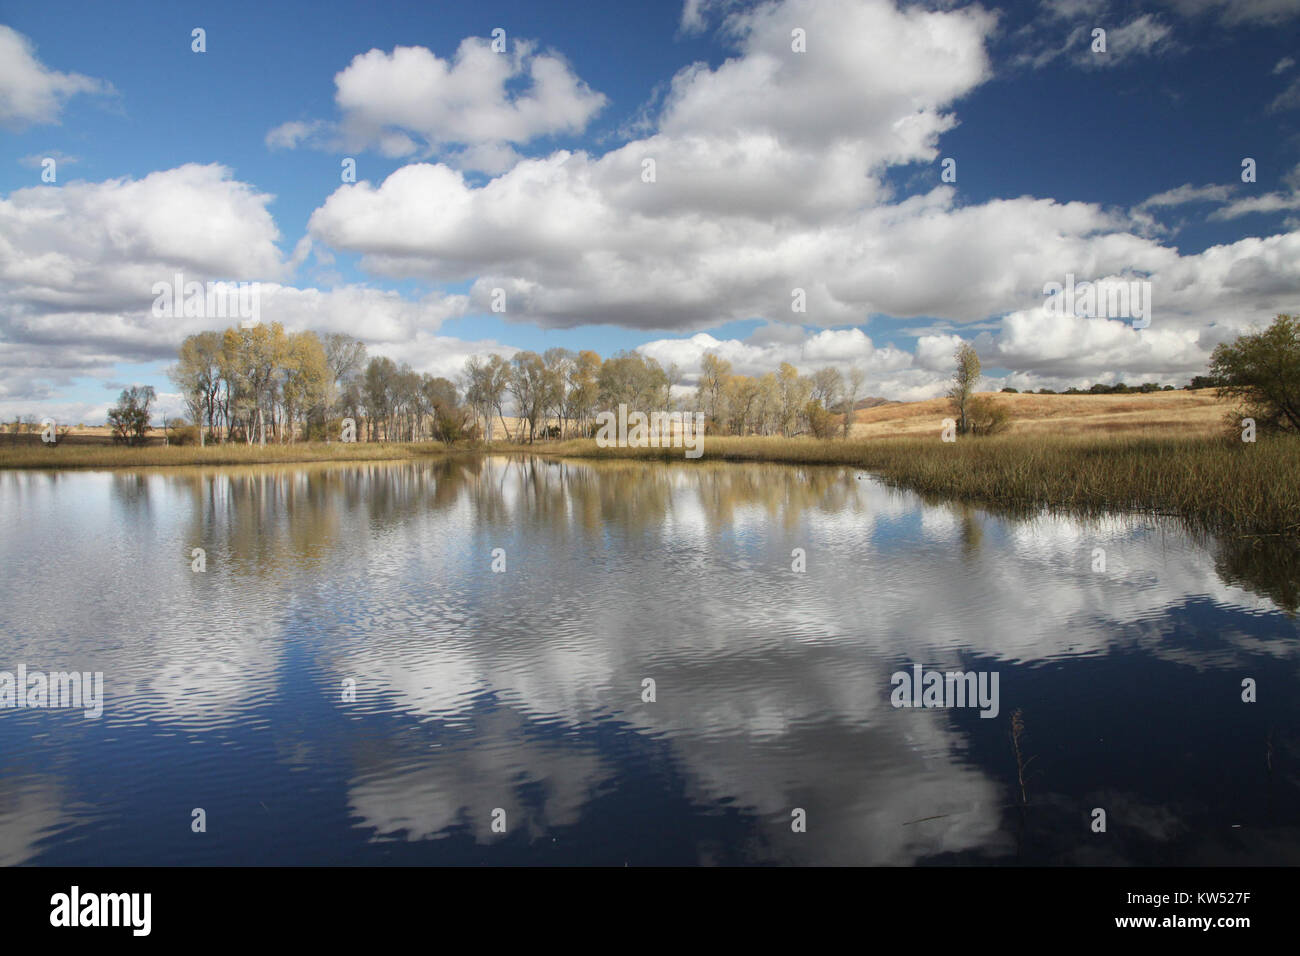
(522, 691)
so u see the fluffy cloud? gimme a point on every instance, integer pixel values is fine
(762, 353)
(770, 175)
(1071, 347)
(101, 246)
(438, 354)
(78, 264)
(754, 195)
(30, 92)
(569, 248)
(411, 100)
(859, 70)
(751, 191)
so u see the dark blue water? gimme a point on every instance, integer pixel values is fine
(518, 696)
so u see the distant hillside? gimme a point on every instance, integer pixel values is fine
(873, 402)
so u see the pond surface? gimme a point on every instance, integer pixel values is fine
(349, 681)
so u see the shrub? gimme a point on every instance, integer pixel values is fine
(1263, 369)
(988, 417)
(183, 435)
(821, 422)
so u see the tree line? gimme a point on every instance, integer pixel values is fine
(263, 384)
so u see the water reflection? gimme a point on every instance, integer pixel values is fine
(350, 681)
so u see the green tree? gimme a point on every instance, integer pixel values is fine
(1262, 368)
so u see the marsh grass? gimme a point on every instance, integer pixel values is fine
(1218, 484)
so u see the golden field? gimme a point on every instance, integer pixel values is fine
(1176, 413)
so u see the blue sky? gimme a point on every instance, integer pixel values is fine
(522, 170)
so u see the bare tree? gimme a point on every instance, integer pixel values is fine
(559, 362)
(853, 383)
(827, 383)
(710, 393)
(529, 386)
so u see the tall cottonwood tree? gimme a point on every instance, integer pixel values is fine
(530, 385)
(262, 382)
(584, 388)
(964, 379)
(710, 392)
(197, 373)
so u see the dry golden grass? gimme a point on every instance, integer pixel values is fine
(1180, 412)
(1200, 412)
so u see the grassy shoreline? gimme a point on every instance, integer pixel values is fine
(119, 456)
(1219, 484)
(1216, 483)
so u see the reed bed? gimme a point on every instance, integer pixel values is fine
(1218, 483)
